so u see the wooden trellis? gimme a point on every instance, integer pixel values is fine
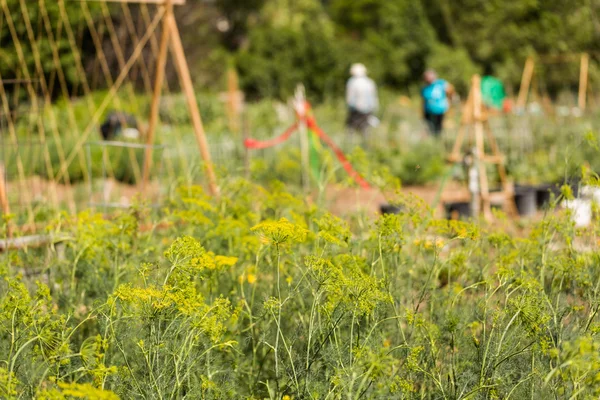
(154, 34)
(475, 120)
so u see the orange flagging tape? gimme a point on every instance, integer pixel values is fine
(257, 144)
(311, 123)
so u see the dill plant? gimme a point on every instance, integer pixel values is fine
(260, 295)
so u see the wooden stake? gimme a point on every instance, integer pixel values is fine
(525, 82)
(188, 87)
(583, 80)
(158, 84)
(233, 101)
(480, 145)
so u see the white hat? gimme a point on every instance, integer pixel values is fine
(358, 70)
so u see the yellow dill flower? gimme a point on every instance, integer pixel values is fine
(289, 280)
(280, 232)
(225, 261)
(286, 397)
(85, 391)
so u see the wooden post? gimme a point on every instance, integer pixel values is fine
(186, 82)
(583, 80)
(158, 84)
(233, 101)
(525, 82)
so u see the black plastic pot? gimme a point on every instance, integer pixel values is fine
(458, 210)
(543, 194)
(526, 199)
(390, 209)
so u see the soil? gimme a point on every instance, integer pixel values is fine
(35, 190)
(340, 200)
(343, 201)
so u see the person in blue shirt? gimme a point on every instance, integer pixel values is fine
(435, 94)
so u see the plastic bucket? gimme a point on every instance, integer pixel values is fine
(526, 200)
(390, 209)
(582, 211)
(458, 210)
(591, 193)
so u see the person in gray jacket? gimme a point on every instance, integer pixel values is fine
(361, 100)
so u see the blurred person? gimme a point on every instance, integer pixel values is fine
(435, 96)
(361, 100)
(120, 124)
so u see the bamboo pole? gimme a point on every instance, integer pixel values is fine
(525, 82)
(158, 84)
(186, 82)
(583, 80)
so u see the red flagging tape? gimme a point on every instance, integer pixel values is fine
(312, 124)
(257, 144)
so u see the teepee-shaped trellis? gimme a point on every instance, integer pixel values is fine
(474, 129)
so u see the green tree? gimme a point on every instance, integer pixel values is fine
(291, 45)
(395, 36)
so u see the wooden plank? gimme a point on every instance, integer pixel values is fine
(158, 85)
(493, 159)
(160, 2)
(583, 80)
(30, 241)
(185, 78)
